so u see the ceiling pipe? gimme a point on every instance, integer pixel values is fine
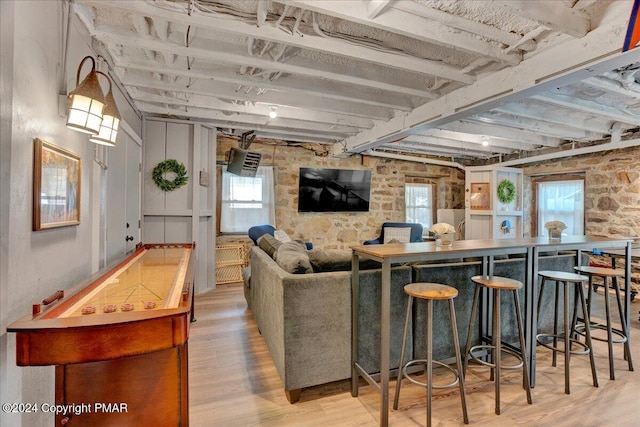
(414, 159)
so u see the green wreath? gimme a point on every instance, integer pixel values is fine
(170, 165)
(506, 191)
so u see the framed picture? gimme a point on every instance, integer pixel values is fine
(56, 186)
(480, 196)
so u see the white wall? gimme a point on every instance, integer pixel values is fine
(35, 264)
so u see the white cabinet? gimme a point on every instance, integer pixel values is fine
(486, 216)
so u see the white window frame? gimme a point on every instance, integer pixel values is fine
(568, 208)
(411, 204)
(238, 213)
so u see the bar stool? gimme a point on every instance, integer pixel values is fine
(430, 292)
(605, 274)
(496, 284)
(567, 279)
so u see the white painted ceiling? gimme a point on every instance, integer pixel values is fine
(411, 77)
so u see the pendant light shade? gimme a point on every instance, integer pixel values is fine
(110, 120)
(86, 102)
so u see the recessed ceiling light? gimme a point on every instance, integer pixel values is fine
(273, 111)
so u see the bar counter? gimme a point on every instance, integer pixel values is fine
(487, 249)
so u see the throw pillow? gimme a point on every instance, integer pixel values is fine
(269, 244)
(401, 234)
(282, 236)
(292, 257)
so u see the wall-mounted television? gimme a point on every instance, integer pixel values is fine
(334, 190)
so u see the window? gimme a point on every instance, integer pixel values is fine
(247, 201)
(560, 199)
(419, 199)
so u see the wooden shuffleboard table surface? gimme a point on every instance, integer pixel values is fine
(150, 280)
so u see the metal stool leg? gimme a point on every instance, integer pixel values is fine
(404, 344)
(429, 359)
(540, 296)
(567, 340)
(623, 323)
(523, 350)
(467, 349)
(589, 343)
(556, 305)
(456, 346)
(497, 345)
(607, 309)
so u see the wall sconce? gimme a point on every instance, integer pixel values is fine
(110, 120)
(273, 111)
(86, 102)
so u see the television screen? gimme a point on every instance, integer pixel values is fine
(334, 190)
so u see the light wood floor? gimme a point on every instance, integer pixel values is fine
(234, 383)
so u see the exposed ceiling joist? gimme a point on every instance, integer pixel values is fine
(331, 131)
(354, 124)
(552, 14)
(308, 87)
(273, 34)
(272, 98)
(509, 145)
(433, 78)
(376, 7)
(575, 60)
(407, 24)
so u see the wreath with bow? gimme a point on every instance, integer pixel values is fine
(170, 165)
(506, 191)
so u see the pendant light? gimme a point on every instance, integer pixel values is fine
(86, 102)
(110, 120)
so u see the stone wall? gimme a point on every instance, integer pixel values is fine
(612, 193)
(340, 230)
(612, 190)
(612, 199)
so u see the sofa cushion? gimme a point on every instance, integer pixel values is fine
(324, 260)
(401, 234)
(330, 260)
(293, 258)
(269, 244)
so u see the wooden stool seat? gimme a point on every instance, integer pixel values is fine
(430, 291)
(599, 271)
(495, 282)
(562, 276)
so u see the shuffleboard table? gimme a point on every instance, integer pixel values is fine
(118, 341)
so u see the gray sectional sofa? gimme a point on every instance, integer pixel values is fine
(305, 319)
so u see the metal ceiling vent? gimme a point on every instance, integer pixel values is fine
(241, 161)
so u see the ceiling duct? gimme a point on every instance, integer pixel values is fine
(241, 161)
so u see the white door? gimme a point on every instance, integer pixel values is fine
(133, 219)
(123, 198)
